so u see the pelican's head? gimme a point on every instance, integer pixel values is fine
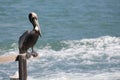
(34, 20)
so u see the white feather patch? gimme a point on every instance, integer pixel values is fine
(36, 28)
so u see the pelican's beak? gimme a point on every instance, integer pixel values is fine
(37, 27)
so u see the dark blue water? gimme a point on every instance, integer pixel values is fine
(80, 38)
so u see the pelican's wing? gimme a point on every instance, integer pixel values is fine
(22, 38)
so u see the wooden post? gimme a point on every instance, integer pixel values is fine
(22, 63)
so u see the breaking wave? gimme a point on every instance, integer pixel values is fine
(86, 59)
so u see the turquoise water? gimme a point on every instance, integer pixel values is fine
(80, 38)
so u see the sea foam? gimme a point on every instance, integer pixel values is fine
(86, 59)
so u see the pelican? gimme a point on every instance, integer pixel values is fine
(29, 38)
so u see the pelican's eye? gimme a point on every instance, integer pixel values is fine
(34, 18)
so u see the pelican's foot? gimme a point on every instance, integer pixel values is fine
(28, 55)
(34, 54)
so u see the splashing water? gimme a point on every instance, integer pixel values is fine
(86, 59)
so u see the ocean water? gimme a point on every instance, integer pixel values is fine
(80, 38)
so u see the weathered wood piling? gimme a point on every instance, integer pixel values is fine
(22, 62)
